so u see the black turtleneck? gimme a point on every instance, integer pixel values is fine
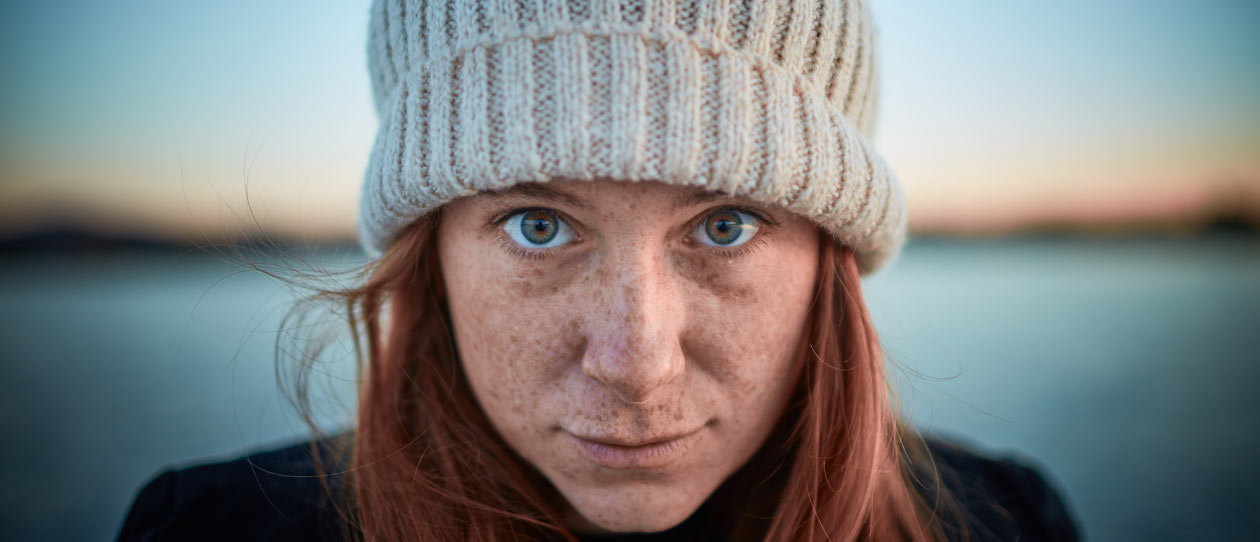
(269, 495)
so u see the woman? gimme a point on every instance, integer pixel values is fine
(616, 290)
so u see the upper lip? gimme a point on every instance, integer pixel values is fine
(627, 443)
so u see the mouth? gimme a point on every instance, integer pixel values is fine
(630, 455)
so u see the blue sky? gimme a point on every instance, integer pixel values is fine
(1037, 104)
(148, 115)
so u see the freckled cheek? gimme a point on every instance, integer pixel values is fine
(746, 349)
(514, 347)
(751, 337)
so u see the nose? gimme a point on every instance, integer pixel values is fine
(633, 342)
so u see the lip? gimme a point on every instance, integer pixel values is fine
(623, 455)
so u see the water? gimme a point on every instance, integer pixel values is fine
(1124, 367)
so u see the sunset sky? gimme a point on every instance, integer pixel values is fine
(148, 117)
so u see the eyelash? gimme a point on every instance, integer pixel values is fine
(745, 249)
(738, 252)
(523, 253)
(516, 250)
(496, 225)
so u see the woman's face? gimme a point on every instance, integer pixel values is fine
(636, 342)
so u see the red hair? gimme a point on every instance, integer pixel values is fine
(426, 464)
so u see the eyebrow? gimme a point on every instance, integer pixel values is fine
(543, 192)
(697, 197)
(539, 191)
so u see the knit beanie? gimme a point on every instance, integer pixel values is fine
(770, 100)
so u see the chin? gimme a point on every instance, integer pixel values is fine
(634, 510)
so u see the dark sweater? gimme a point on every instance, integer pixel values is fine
(273, 495)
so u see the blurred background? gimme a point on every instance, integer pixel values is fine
(1082, 288)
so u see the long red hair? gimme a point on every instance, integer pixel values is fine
(425, 463)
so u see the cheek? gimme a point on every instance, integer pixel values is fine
(747, 320)
(754, 304)
(510, 332)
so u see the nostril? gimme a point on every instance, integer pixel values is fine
(630, 402)
(637, 391)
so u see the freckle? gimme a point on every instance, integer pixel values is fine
(711, 277)
(524, 287)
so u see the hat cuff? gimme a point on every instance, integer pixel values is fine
(627, 104)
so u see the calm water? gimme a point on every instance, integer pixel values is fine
(1124, 367)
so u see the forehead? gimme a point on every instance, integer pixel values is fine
(602, 192)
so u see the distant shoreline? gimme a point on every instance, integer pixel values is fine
(72, 240)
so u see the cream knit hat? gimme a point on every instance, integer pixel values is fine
(771, 100)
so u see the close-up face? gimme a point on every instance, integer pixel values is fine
(634, 341)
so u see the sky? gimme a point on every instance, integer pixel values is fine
(175, 119)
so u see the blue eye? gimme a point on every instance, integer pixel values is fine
(728, 228)
(537, 228)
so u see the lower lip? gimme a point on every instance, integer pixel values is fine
(651, 456)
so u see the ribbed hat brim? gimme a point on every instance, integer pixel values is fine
(624, 104)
